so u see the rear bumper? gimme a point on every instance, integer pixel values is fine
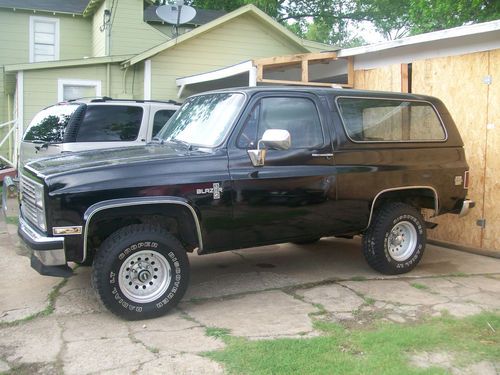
(48, 250)
(466, 206)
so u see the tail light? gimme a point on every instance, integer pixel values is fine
(466, 180)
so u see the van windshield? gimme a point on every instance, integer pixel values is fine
(48, 125)
(203, 120)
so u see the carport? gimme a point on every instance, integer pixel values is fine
(323, 69)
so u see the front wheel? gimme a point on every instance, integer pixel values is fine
(395, 241)
(140, 272)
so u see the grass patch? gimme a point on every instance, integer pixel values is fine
(381, 350)
(51, 303)
(216, 332)
(358, 278)
(420, 286)
(12, 220)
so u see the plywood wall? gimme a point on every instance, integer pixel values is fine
(382, 79)
(491, 233)
(458, 82)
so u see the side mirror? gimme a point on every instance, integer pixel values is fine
(277, 139)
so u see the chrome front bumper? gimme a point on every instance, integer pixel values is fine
(48, 250)
(466, 206)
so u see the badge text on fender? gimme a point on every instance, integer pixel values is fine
(216, 190)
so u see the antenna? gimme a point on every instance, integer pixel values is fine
(176, 14)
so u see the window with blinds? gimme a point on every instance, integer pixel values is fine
(44, 39)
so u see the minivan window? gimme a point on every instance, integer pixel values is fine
(110, 123)
(160, 119)
(48, 125)
(387, 120)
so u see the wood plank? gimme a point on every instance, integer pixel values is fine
(350, 71)
(305, 71)
(405, 83)
(289, 59)
(300, 83)
(457, 81)
(491, 238)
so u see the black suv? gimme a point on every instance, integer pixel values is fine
(241, 168)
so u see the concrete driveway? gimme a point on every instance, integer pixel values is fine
(49, 326)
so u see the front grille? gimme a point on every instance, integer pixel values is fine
(28, 200)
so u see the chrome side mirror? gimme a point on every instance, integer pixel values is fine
(277, 139)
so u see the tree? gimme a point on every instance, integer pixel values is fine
(335, 21)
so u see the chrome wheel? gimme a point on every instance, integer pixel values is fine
(402, 241)
(145, 276)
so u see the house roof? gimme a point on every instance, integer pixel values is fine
(304, 45)
(66, 63)
(202, 17)
(66, 6)
(461, 31)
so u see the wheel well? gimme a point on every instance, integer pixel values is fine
(424, 197)
(176, 219)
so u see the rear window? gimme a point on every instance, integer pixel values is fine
(110, 123)
(48, 125)
(387, 120)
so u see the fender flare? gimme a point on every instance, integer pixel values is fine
(139, 201)
(434, 191)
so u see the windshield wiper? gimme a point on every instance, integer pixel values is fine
(189, 146)
(157, 140)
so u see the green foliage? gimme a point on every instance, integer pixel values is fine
(217, 332)
(419, 286)
(336, 21)
(383, 350)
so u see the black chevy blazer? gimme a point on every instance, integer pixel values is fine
(241, 168)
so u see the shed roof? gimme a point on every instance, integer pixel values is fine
(66, 6)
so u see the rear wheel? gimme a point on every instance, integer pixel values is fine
(395, 241)
(140, 272)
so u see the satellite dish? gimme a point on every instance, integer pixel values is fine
(176, 14)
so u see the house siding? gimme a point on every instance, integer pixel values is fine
(40, 86)
(98, 36)
(129, 33)
(14, 36)
(235, 41)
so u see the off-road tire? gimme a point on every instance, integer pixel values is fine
(377, 245)
(122, 246)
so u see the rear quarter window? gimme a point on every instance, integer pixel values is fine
(388, 120)
(110, 123)
(49, 125)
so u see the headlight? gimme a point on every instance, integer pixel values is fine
(39, 196)
(40, 217)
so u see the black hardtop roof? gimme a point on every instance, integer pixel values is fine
(325, 91)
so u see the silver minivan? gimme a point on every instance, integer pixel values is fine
(88, 124)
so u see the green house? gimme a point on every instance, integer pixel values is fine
(56, 50)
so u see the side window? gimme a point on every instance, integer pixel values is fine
(297, 115)
(109, 123)
(384, 120)
(160, 119)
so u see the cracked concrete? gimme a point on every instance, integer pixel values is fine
(269, 292)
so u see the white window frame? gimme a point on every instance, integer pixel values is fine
(76, 82)
(55, 21)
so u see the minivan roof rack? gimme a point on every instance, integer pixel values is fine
(103, 99)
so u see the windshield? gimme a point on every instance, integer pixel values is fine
(48, 125)
(203, 120)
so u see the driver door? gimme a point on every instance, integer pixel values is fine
(292, 195)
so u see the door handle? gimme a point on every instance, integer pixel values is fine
(328, 156)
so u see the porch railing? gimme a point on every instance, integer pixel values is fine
(13, 147)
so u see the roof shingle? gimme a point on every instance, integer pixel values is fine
(66, 6)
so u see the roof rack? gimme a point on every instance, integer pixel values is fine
(103, 99)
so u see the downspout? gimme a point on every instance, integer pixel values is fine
(9, 118)
(124, 81)
(108, 80)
